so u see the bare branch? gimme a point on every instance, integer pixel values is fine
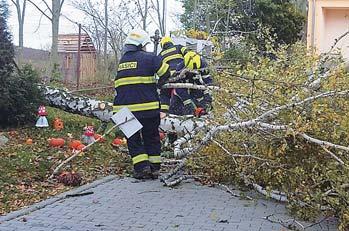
(39, 24)
(60, 8)
(333, 155)
(227, 189)
(337, 40)
(48, 7)
(39, 9)
(14, 3)
(307, 100)
(324, 143)
(279, 196)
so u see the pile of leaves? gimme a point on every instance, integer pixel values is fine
(302, 149)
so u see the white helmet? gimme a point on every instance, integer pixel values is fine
(138, 37)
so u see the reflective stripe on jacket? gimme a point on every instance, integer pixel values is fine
(135, 82)
(173, 55)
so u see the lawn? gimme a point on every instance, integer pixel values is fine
(25, 168)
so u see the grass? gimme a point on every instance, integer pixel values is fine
(25, 168)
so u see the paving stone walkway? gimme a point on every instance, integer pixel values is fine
(127, 204)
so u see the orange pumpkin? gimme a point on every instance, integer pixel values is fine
(80, 147)
(29, 141)
(56, 142)
(117, 142)
(97, 136)
(74, 144)
(58, 124)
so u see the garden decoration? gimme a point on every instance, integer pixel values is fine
(97, 136)
(42, 121)
(74, 144)
(58, 124)
(56, 142)
(117, 142)
(88, 136)
(123, 119)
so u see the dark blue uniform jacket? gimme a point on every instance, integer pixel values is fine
(136, 84)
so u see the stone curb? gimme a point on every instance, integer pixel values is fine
(44, 203)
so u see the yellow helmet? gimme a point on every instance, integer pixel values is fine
(165, 40)
(192, 60)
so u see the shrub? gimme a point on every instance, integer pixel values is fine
(20, 96)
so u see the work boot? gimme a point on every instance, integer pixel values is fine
(155, 175)
(155, 171)
(143, 174)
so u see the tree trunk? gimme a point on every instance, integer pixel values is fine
(207, 17)
(145, 15)
(20, 17)
(106, 34)
(164, 14)
(103, 110)
(195, 13)
(56, 10)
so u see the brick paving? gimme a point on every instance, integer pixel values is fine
(128, 204)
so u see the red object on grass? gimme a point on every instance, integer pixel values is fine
(117, 142)
(97, 136)
(89, 131)
(80, 147)
(74, 144)
(42, 111)
(199, 111)
(56, 142)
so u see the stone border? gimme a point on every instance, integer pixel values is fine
(49, 201)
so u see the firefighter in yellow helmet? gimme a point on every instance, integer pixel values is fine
(136, 89)
(172, 55)
(192, 101)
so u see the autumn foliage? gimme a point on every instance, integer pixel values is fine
(313, 175)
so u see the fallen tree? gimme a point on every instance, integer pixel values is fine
(284, 133)
(280, 126)
(103, 110)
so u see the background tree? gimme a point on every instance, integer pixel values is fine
(6, 47)
(55, 12)
(20, 95)
(20, 7)
(160, 11)
(120, 20)
(142, 7)
(105, 31)
(245, 17)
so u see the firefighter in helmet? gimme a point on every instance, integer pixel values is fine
(172, 55)
(136, 89)
(193, 101)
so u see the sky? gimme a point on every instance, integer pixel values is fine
(37, 33)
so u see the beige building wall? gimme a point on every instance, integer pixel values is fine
(327, 21)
